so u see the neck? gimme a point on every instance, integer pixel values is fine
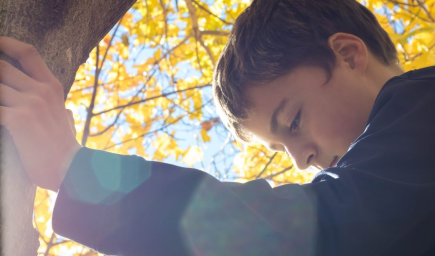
(379, 74)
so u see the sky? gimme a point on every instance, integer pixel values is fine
(213, 159)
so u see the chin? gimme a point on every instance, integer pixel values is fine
(317, 168)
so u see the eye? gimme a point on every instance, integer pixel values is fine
(295, 123)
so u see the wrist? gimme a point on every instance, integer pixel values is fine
(54, 182)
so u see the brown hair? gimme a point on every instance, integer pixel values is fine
(272, 37)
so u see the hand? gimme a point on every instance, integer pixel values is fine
(33, 110)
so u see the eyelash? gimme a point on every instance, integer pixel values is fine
(295, 123)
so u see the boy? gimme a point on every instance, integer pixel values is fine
(306, 77)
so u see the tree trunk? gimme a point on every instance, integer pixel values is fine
(64, 32)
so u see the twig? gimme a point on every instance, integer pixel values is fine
(278, 173)
(151, 98)
(92, 104)
(196, 31)
(159, 129)
(212, 14)
(90, 109)
(267, 165)
(215, 33)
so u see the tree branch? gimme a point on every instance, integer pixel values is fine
(425, 10)
(152, 98)
(92, 104)
(196, 31)
(130, 103)
(215, 33)
(267, 165)
(110, 43)
(212, 14)
(278, 173)
(159, 129)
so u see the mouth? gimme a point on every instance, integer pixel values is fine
(334, 161)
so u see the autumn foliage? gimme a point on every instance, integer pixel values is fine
(145, 90)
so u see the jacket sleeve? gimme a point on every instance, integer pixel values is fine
(126, 205)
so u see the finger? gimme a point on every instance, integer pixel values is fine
(71, 121)
(28, 57)
(11, 76)
(6, 117)
(9, 97)
(70, 114)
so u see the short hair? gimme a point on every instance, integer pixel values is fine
(272, 37)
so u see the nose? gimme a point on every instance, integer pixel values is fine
(302, 153)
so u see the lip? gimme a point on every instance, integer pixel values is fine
(334, 161)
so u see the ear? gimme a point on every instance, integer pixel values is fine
(349, 50)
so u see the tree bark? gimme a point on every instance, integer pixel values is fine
(64, 32)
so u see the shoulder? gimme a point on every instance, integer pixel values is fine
(415, 82)
(400, 131)
(410, 93)
(427, 73)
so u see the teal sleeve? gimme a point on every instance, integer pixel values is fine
(126, 205)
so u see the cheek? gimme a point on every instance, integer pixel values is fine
(340, 116)
(350, 126)
(337, 127)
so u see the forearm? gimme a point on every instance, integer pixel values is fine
(127, 205)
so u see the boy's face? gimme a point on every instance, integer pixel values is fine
(313, 121)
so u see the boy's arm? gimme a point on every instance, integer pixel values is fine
(125, 205)
(129, 206)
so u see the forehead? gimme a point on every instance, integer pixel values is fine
(299, 79)
(296, 87)
(263, 105)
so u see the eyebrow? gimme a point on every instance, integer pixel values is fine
(273, 120)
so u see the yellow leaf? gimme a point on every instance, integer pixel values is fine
(124, 53)
(205, 136)
(193, 155)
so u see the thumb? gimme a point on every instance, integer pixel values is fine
(70, 116)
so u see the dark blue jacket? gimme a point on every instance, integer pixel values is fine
(379, 200)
